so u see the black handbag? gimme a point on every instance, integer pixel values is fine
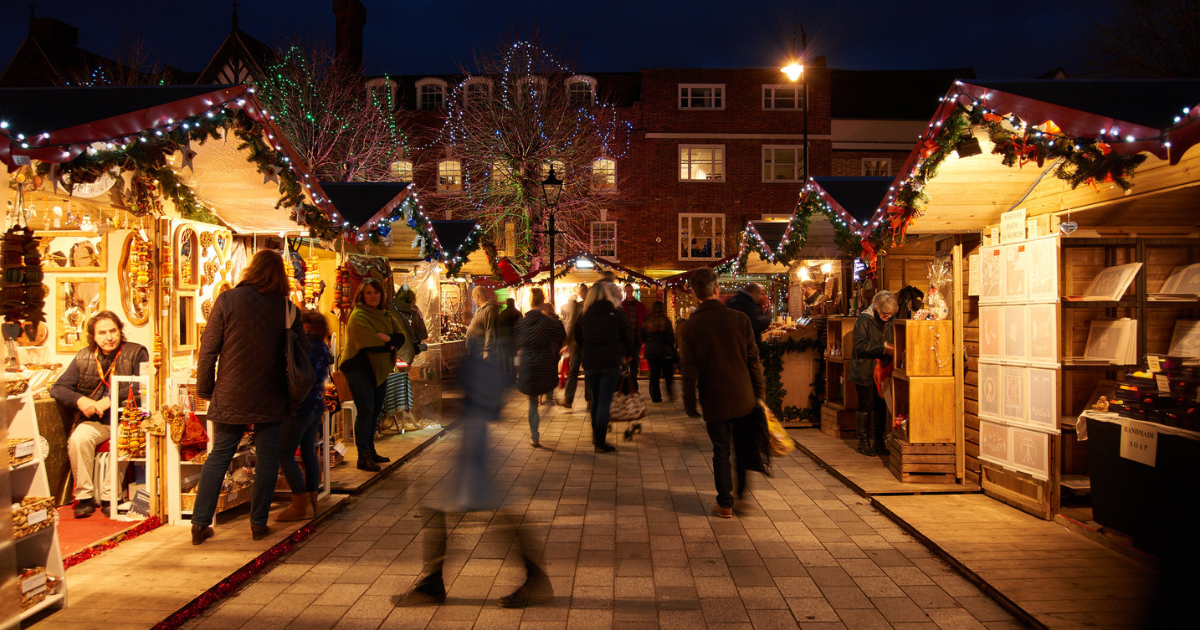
(300, 373)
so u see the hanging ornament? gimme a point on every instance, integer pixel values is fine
(188, 156)
(1068, 227)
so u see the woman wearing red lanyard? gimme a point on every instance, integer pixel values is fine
(83, 389)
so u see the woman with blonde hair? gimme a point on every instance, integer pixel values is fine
(246, 332)
(606, 339)
(373, 337)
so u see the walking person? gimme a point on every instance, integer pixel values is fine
(571, 313)
(507, 331)
(539, 337)
(635, 314)
(605, 338)
(752, 301)
(872, 343)
(373, 338)
(301, 430)
(659, 337)
(718, 354)
(483, 332)
(246, 333)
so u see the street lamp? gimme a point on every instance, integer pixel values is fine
(794, 71)
(552, 189)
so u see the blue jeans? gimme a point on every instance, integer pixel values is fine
(368, 401)
(301, 431)
(602, 383)
(266, 470)
(534, 418)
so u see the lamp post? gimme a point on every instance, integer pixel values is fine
(794, 71)
(552, 188)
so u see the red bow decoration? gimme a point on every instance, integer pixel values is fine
(1021, 149)
(929, 147)
(899, 218)
(1051, 128)
(869, 255)
(992, 118)
(1103, 148)
(1108, 179)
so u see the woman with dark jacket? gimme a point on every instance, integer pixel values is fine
(872, 342)
(604, 335)
(246, 332)
(659, 338)
(373, 337)
(539, 337)
(302, 429)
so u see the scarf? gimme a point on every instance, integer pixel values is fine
(360, 335)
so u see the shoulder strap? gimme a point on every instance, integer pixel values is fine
(291, 317)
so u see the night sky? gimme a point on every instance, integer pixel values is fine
(1007, 40)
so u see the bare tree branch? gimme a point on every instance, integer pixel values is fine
(1137, 39)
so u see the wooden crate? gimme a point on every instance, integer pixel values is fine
(837, 422)
(928, 401)
(921, 463)
(925, 348)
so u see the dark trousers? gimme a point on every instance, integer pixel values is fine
(635, 367)
(602, 384)
(576, 358)
(872, 404)
(730, 436)
(368, 400)
(301, 432)
(266, 470)
(665, 369)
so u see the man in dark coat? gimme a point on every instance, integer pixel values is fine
(507, 330)
(752, 301)
(83, 389)
(635, 314)
(718, 354)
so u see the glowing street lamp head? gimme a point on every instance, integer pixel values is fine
(793, 71)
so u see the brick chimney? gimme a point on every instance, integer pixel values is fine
(351, 17)
(58, 32)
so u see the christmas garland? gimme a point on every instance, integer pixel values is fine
(413, 213)
(771, 354)
(621, 276)
(794, 238)
(87, 553)
(1077, 161)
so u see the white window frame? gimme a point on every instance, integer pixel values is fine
(582, 78)
(787, 86)
(396, 169)
(466, 88)
(442, 172)
(615, 240)
(718, 235)
(610, 188)
(690, 86)
(887, 161)
(689, 162)
(799, 165)
(527, 79)
(391, 85)
(430, 82)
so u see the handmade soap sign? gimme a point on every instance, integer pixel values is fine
(1139, 443)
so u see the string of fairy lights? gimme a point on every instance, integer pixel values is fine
(412, 211)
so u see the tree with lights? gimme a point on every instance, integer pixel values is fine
(345, 131)
(520, 112)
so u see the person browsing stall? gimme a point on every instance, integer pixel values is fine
(872, 343)
(373, 338)
(83, 388)
(301, 430)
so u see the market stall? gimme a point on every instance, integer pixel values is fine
(1067, 211)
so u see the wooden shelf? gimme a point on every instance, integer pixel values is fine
(29, 465)
(51, 600)
(1098, 303)
(837, 359)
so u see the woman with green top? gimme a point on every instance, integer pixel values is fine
(373, 337)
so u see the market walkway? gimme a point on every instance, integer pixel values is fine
(629, 542)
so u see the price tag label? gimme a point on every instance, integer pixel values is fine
(340, 448)
(34, 584)
(36, 517)
(1153, 363)
(1164, 383)
(24, 449)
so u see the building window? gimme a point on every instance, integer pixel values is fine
(402, 170)
(431, 94)
(604, 239)
(530, 88)
(476, 91)
(701, 236)
(783, 163)
(604, 175)
(560, 170)
(702, 162)
(783, 96)
(581, 91)
(701, 96)
(382, 91)
(449, 176)
(877, 167)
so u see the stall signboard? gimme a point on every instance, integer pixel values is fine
(1139, 442)
(1012, 226)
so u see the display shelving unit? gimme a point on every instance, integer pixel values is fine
(837, 413)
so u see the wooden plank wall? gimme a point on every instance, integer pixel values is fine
(971, 378)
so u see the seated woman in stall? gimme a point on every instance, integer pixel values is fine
(83, 388)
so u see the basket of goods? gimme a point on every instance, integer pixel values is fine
(34, 588)
(16, 385)
(198, 404)
(20, 450)
(232, 495)
(32, 515)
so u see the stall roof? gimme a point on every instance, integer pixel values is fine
(858, 196)
(33, 111)
(968, 194)
(570, 261)
(359, 202)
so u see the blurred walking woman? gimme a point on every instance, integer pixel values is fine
(539, 337)
(246, 333)
(373, 337)
(606, 339)
(659, 337)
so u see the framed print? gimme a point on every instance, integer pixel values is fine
(1111, 283)
(1042, 259)
(990, 275)
(1015, 272)
(1030, 452)
(1043, 398)
(994, 443)
(73, 252)
(1014, 394)
(1043, 333)
(1105, 341)
(991, 326)
(989, 390)
(78, 299)
(1015, 345)
(1185, 341)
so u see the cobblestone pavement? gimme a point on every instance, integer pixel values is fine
(629, 541)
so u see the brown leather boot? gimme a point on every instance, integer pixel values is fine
(295, 511)
(312, 498)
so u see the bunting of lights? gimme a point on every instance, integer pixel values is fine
(412, 212)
